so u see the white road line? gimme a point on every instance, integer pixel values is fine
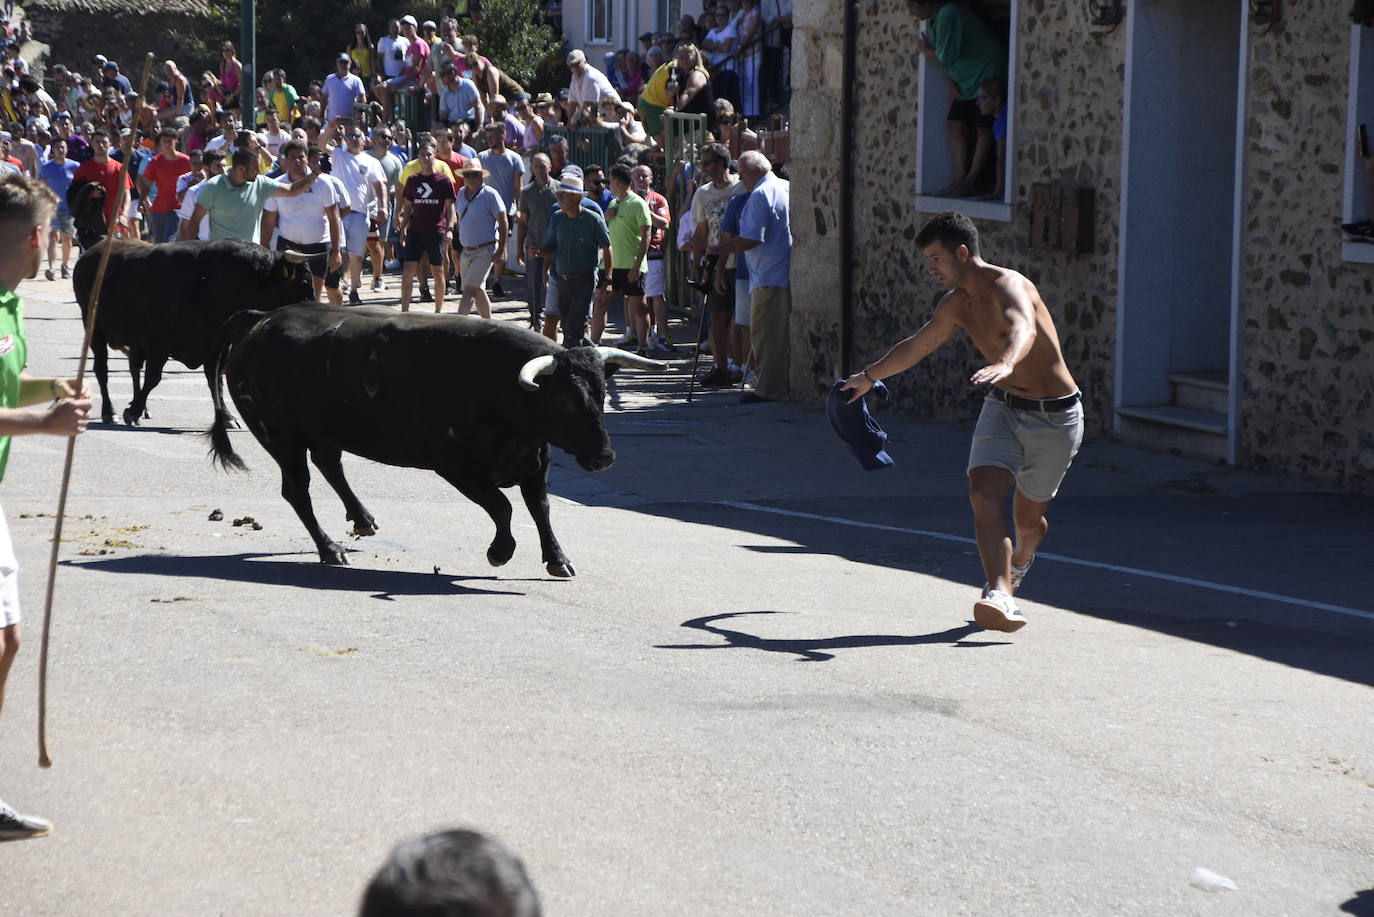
(1134, 571)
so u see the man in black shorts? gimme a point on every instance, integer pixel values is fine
(630, 225)
(423, 219)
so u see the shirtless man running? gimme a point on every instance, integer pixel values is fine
(1032, 422)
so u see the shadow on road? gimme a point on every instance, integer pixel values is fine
(248, 568)
(813, 650)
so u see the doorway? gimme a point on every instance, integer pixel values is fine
(1180, 224)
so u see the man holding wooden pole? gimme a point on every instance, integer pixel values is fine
(26, 209)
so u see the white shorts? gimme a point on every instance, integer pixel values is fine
(744, 303)
(9, 578)
(656, 281)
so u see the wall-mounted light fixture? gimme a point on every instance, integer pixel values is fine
(1266, 12)
(1109, 12)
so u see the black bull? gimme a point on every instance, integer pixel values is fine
(170, 300)
(477, 401)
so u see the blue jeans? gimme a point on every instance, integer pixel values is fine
(162, 227)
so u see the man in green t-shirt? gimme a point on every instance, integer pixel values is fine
(969, 52)
(630, 226)
(26, 209)
(234, 200)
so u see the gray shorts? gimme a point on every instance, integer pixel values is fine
(1035, 446)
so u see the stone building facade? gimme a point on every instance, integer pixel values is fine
(1235, 277)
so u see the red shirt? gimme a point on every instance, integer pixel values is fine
(164, 174)
(658, 206)
(455, 161)
(107, 173)
(428, 196)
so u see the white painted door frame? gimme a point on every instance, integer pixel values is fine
(1237, 225)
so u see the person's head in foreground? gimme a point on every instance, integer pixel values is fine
(456, 873)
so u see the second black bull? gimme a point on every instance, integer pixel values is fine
(477, 401)
(169, 301)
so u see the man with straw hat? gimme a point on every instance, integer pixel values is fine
(577, 240)
(479, 237)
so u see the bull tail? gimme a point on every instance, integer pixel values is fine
(230, 334)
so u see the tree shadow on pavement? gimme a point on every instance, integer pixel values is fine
(813, 650)
(1361, 905)
(248, 568)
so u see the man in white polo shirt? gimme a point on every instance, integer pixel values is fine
(308, 222)
(481, 235)
(364, 183)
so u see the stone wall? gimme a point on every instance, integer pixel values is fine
(1069, 103)
(1307, 329)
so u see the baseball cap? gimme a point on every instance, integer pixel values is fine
(111, 65)
(497, 99)
(429, 24)
(576, 57)
(562, 95)
(408, 19)
(343, 57)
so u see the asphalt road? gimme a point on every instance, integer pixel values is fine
(761, 695)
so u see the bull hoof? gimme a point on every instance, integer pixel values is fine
(107, 416)
(366, 527)
(500, 551)
(560, 568)
(131, 419)
(334, 556)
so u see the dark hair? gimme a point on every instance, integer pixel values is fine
(292, 146)
(450, 874)
(950, 229)
(1361, 10)
(719, 152)
(621, 173)
(311, 123)
(592, 167)
(212, 156)
(99, 133)
(168, 132)
(242, 158)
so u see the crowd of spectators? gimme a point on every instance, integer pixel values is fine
(420, 155)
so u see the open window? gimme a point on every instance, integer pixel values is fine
(935, 167)
(1357, 209)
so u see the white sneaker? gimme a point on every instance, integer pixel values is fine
(1018, 574)
(378, 285)
(996, 611)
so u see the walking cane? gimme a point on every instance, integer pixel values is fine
(696, 348)
(44, 760)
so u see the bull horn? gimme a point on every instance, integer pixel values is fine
(630, 360)
(539, 366)
(296, 257)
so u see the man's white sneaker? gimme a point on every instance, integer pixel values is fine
(996, 611)
(13, 825)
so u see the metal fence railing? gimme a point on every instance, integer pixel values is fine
(684, 137)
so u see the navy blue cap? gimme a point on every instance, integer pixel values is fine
(853, 424)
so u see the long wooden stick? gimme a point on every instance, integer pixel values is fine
(111, 222)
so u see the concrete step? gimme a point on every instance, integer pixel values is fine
(1187, 431)
(1205, 391)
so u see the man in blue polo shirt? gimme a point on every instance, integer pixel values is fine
(578, 240)
(765, 238)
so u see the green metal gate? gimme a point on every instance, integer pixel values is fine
(685, 134)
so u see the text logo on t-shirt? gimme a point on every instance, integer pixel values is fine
(6, 344)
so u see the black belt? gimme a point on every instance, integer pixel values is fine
(1048, 405)
(576, 274)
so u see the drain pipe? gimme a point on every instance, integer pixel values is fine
(847, 97)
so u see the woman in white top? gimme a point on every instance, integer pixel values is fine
(719, 43)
